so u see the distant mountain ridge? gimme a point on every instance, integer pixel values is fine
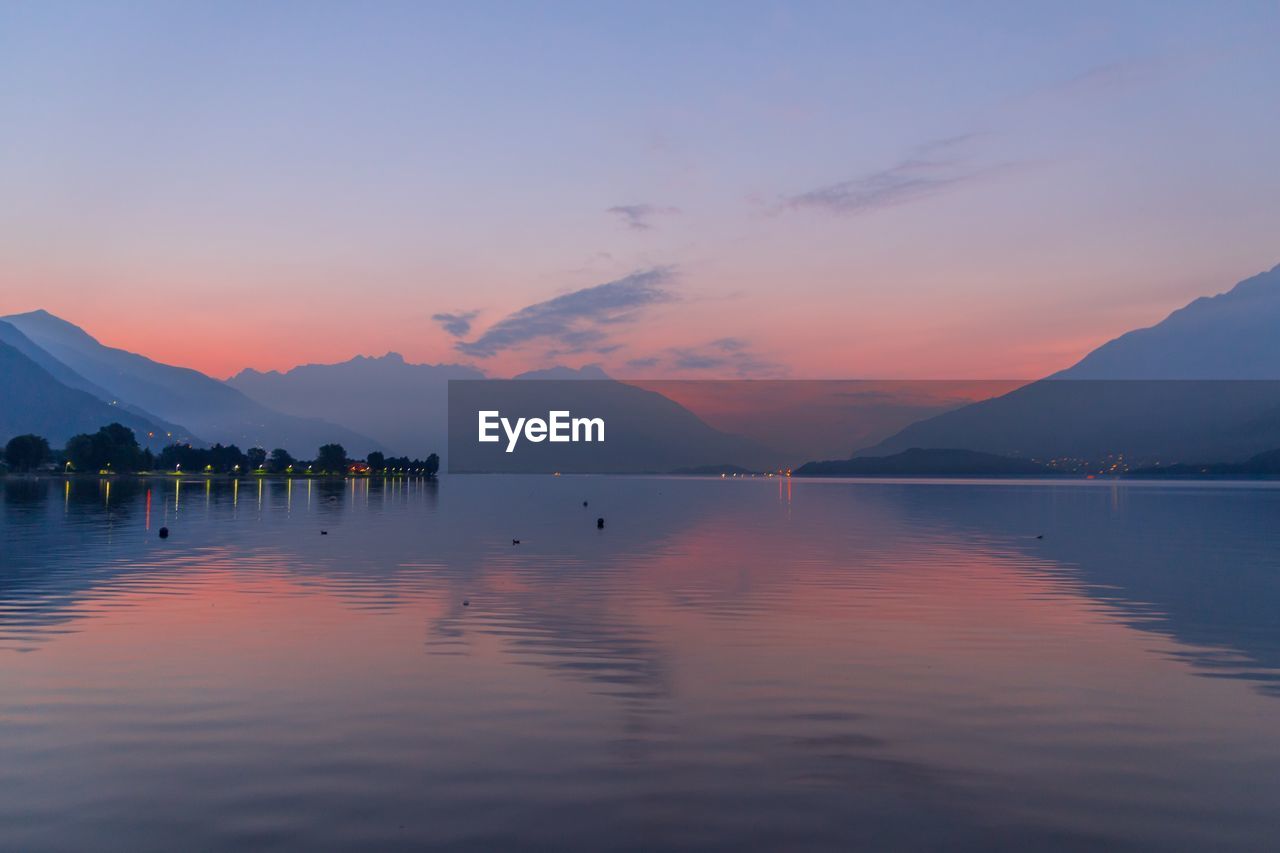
(399, 404)
(208, 409)
(1233, 335)
(405, 405)
(1204, 383)
(36, 402)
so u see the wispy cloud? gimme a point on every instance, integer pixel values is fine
(724, 356)
(1118, 76)
(579, 321)
(933, 168)
(459, 324)
(639, 217)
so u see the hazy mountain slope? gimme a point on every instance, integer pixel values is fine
(10, 335)
(399, 404)
(1234, 335)
(35, 402)
(1148, 421)
(211, 409)
(1132, 395)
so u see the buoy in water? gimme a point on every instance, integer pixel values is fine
(584, 503)
(164, 533)
(466, 602)
(599, 524)
(324, 533)
(515, 541)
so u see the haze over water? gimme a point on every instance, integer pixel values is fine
(726, 665)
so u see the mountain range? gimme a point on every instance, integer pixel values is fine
(36, 402)
(1203, 384)
(160, 402)
(1233, 335)
(400, 405)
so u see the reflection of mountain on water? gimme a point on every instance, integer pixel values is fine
(1197, 562)
(1192, 562)
(371, 559)
(43, 517)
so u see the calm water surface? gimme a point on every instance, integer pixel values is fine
(727, 665)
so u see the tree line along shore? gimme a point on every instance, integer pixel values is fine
(114, 449)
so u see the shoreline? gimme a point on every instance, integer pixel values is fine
(201, 475)
(1004, 478)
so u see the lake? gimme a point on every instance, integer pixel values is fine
(726, 665)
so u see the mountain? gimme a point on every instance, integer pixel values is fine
(401, 405)
(36, 402)
(919, 462)
(10, 335)
(1202, 384)
(211, 409)
(1234, 335)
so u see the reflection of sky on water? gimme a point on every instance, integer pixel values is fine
(721, 649)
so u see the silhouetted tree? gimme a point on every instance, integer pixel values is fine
(227, 459)
(80, 452)
(376, 460)
(171, 457)
(405, 465)
(113, 447)
(280, 460)
(26, 452)
(216, 459)
(257, 457)
(331, 458)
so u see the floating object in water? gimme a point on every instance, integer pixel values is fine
(466, 602)
(164, 533)
(584, 503)
(599, 524)
(1041, 536)
(324, 533)
(515, 541)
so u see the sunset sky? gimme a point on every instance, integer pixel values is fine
(820, 190)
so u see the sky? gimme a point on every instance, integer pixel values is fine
(719, 190)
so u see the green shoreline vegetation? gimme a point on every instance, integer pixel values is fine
(114, 449)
